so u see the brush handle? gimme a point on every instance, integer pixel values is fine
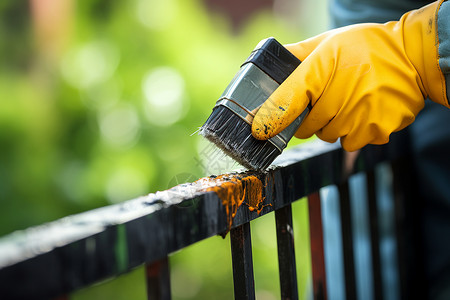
(265, 69)
(273, 59)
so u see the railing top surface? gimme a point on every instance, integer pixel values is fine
(79, 250)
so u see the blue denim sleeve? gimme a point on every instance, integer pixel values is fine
(346, 12)
(444, 42)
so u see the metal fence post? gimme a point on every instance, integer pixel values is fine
(317, 247)
(286, 253)
(241, 252)
(158, 280)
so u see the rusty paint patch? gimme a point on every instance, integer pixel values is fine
(234, 190)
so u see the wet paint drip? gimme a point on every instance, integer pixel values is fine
(234, 191)
(254, 195)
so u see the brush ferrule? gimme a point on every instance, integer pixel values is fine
(239, 110)
(248, 90)
(245, 94)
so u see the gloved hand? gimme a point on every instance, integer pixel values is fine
(363, 81)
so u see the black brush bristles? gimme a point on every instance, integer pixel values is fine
(234, 136)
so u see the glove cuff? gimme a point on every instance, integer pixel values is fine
(422, 47)
(443, 29)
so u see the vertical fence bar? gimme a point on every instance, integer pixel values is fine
(374, 235)
(241, 253)
(158, 280)
(317, 247)
(401, 231)
(347, 241)
(410, 254)
(286, 253)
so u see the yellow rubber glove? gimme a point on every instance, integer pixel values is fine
(363, 81)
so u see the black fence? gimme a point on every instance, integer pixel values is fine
(52, 260)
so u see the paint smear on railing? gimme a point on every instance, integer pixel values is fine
(234, 191)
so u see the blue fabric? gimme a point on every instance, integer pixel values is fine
(444, 42)
(347, 12)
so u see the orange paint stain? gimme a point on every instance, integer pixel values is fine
(234, 191)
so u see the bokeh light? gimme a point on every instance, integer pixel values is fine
(164, 93)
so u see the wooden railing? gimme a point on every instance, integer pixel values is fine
(52, 260)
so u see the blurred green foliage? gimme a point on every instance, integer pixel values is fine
(110, 115)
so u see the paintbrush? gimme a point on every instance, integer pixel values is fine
(229, 125)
